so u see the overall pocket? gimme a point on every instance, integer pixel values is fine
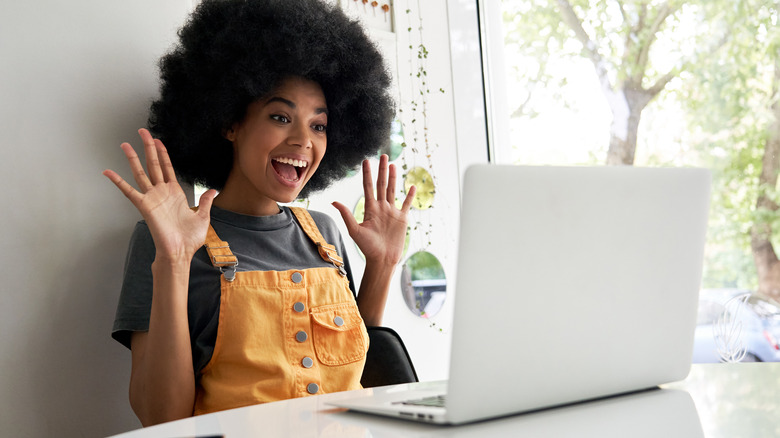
(339, 334)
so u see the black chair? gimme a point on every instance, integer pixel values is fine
(387, 361)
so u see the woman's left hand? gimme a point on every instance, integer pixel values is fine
(382, 233)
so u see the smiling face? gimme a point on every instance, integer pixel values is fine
(276, 148)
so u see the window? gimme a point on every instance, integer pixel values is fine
(650, 83)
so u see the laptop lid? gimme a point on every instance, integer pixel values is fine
(573, 283)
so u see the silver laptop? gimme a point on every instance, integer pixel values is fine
(573, 283)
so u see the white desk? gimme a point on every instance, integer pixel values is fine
(718, 400)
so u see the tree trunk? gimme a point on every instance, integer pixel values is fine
(626, 114)
(622, 138)
(767, 264)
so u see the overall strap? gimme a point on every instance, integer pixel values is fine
(327, 251)
(220, 254)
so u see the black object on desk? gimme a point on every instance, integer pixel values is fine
(387, 360)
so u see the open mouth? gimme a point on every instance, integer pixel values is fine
(288, 168)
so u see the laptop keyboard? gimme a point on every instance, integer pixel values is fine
(435, 401)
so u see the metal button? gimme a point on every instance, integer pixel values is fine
(312, 388)
(307, 362)
(297, 277)
(299, 307)
(301, 336)
(339, 321)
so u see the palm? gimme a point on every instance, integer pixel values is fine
(382, 233)
(174, 226)
(176, 229)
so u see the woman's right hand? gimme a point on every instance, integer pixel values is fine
(177, 230)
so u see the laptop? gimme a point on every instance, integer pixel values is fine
(573, 283)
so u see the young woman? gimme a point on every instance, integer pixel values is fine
(241, 300)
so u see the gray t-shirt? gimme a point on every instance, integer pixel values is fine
(261, 243)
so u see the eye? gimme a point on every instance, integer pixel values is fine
(320, 128)
(280, 118)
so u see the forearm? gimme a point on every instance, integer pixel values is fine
(162, 384)
(374, 288)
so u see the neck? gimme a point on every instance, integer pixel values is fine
(239, 204)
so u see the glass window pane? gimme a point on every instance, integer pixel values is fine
(643, 83)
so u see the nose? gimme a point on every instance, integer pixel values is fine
(300, 135)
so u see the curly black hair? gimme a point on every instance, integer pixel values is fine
(234, 52)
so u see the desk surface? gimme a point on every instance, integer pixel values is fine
(716, 400)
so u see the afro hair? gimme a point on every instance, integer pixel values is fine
(234, 52)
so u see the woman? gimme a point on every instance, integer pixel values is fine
(243, 301)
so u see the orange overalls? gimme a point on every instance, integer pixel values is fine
(282, 334)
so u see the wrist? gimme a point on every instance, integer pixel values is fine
(381, 264)
(172, 262)
(381, 269)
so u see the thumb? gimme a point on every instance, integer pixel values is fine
(204, 204)
(346, 216)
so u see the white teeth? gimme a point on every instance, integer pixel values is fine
(292, 162)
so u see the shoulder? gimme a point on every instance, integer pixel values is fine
(322, 219)
(141, 242)
(326, 224)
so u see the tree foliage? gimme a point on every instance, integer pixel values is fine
(722, 58)
(622, 39)
(732, 101)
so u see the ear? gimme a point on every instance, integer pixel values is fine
(230, 133)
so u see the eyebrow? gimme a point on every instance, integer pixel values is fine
(292, 104)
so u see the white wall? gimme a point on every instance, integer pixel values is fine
(76, 79)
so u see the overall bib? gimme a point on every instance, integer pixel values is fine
(282, 334)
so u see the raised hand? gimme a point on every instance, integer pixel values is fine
(382, 233)
(177, 230)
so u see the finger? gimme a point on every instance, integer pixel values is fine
(167, 167)
(126, 189)
(381, 179)
(391, 180)
(409, 198)
(204, 203)
(136, 167)
(152, 160)
(347, 217)
(368, 185)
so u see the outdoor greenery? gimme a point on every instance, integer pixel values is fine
(716, 63)
(423, 265)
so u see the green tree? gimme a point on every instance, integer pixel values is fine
(733, 102)
(727, 55)
(621, 39)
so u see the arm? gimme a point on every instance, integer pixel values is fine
(162, 382)
(380, 237)
(372, 296)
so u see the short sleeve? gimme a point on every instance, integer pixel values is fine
(135, 298)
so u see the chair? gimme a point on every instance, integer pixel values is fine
(387, 361)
